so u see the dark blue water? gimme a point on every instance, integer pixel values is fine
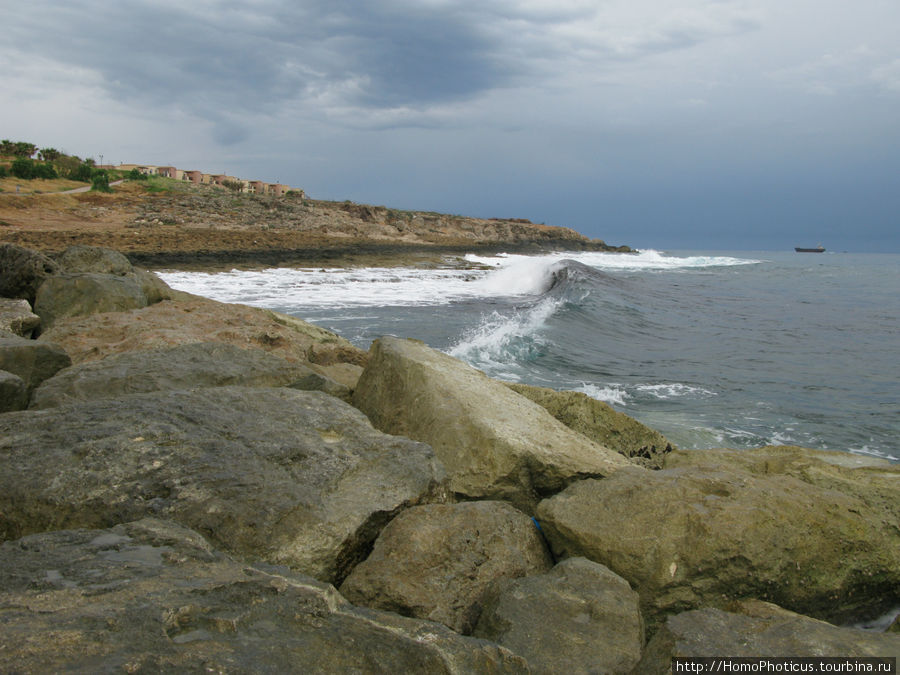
(736, 349)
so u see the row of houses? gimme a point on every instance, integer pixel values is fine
(198, 177)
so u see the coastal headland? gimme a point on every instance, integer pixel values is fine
(199, 226)
(191, 485)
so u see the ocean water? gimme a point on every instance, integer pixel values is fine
(713, 349)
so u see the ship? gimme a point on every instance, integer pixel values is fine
(817, 249)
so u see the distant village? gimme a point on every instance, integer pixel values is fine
(198, 177)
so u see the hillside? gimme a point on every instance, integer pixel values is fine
(165, 222)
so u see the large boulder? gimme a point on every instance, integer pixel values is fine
(435, 561)
(22, 271)
(84, 294)
(17, 318)
(758, 629)
(13, 392)
(31, 360)
(578, 618)
(494, 443)
(599, 422)
(690, 537)
(200, 364)
(189, 319)
(94, 259)
(290, 477)
(150, 596)
(874, 481)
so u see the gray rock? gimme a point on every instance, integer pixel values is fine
(16, 317)
(313, 381)
(93, 259)
(290, 477)
(202, 364)
(691, 537)
(31, 360)
(493, 442)
(757, 629)
(22, 271)
(578, 618)
(435, 561)
(599, 422)
(13, 392)
(151, 596)
(68, 295)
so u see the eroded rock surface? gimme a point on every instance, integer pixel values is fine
(201, 364)
(435, 561)
(295, 478)
(579, 617)
(151, 596)
(757, 629)
(693, 536)
(494, 443)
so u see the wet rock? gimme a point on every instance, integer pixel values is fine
(691, 537)
(151, 596)
(757, 629)
(290, 477)
(16, 317)
(31, 360)
(435, 561)
(494, 443)
(577, 618)
(22, 271)
(599, 422)
(13, 392)
(201, 364)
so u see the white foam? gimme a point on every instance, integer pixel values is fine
(513, 275)
(499, 339)
(611, 393)
(674, 390)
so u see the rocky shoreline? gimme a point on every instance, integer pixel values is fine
(192, 485)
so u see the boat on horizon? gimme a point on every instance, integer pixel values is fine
(817, 249)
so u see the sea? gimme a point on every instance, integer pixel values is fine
(714, 349)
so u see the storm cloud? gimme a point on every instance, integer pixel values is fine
(644, 122)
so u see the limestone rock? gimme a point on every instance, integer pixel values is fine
(874, 481)
(13, 392)
(435, 561)
(690, 537)
(150, 596)
(22, 271)
(201, 364)
(84, 294)
(757, 629)
(93, 259)
(16, 317)
(290, 477)
(31, 360)
(493, 442)
(599, 422)
(195, 319)
(578, 618)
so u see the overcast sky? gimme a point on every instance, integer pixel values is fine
(710, 124)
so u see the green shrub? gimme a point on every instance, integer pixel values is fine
(4, 172)
(82, 172)
(100, 181)
(23, 168)
(42, 170)
(136, 174)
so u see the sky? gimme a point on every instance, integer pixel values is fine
(684, 124)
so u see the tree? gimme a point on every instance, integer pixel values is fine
(233, 185)
(24, 149)
(49, 154)
(82, 172)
